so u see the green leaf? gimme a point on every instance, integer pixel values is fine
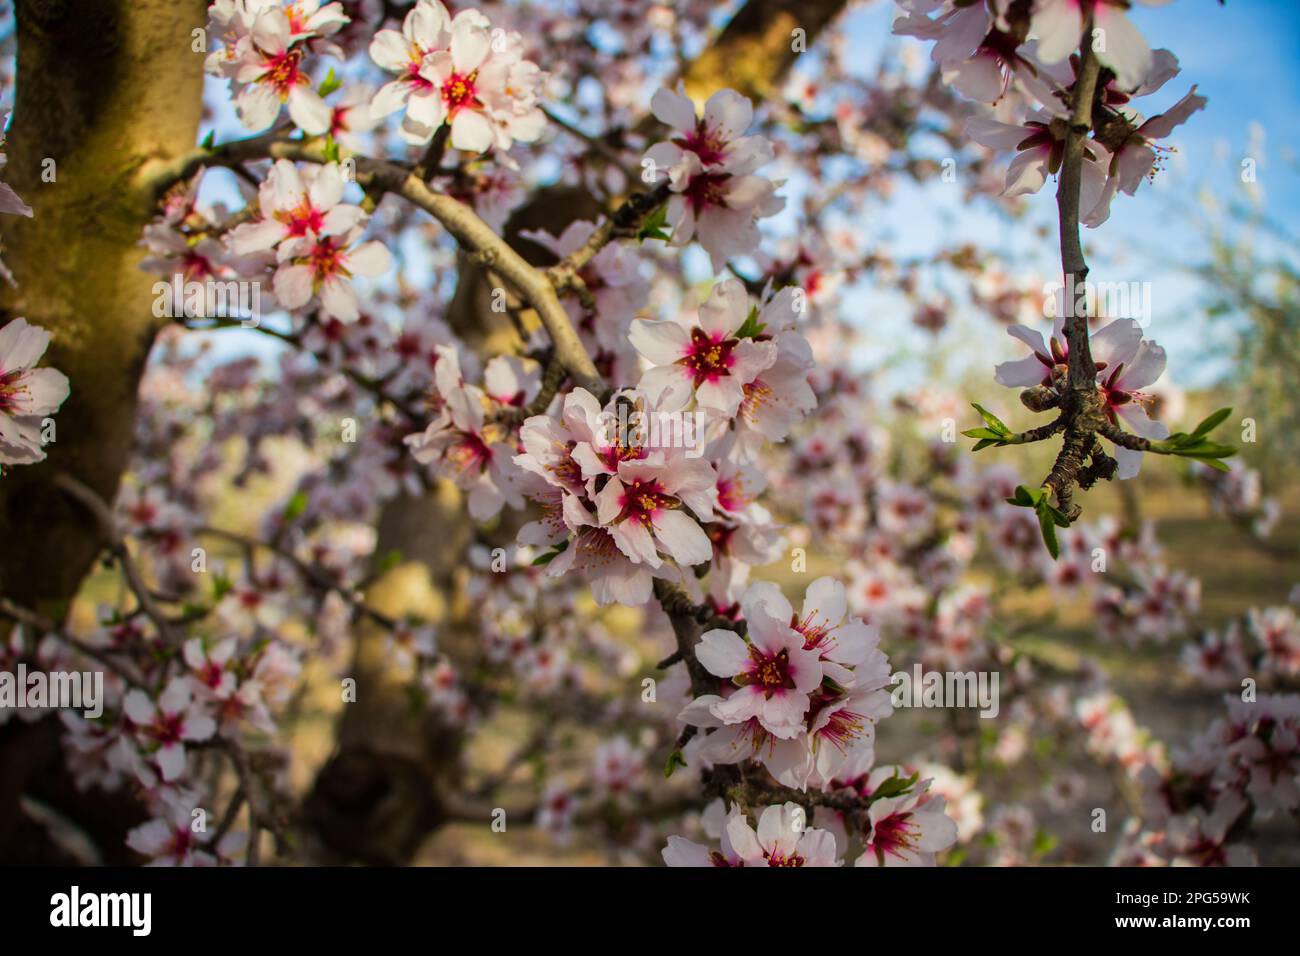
(1047, 524)
(675, 760)
(653, 226)
(751, 327)
(220, 586)
(985, 433)
(390, 560)
(332, 154)
(1211, 422)
(1026, 497)
(893, 787)
(210, 140)
(296, 506)
(550, 556)
(330, 83)
(995, 423)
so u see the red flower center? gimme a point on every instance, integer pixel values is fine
(709, 357)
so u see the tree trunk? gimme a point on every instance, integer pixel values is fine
(102, 87)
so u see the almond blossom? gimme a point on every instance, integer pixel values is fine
(268, 66)
(452, 70)
(708, 360)
(709, 167)
(1059, 26)
(163, 727)
(27, 394)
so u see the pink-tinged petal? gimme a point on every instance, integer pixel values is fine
(150, 839)
(47, 388)
(311, 113)
(665, 160)
(427, 24)
(674, 109)
(253, 237)
(723, 653)
(21, 344)
(426, 108)
(1161, 126)
(979, 78)
(668, 387)
(327, 188)
(1029, 337)
(1140, 423)
(1027, 172)
(339, 299)
(176, 697)
(726, 308)
(780, 827)
(989, 132)
(750, 358)
(138, 707)
(257, 106)
(1134, 163)
(171, 761)
(198, 726)
(369, 259)
(741, 706)
(11, 203)
(722, 396)
(634, 539)
(729, 113)
(390, 50)
(341, 219)
(471, 41)
(732, 743)
(1129, 462)
(1058, 24)
(293, 286)
(825, 603)
(1126, 51)
(805, 667)
(1115, 344)
(771, 610)
(744, 841)
(782, 714)
(1021, 373)
(661, 342)
(471, 132)
(1146, 365)
(682, 537)
(390, 98)
(682, 852)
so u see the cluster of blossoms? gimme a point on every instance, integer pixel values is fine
(660, 479)
(1127, 363)
(988, 48)
(800, 693)
(459, 72)
(315, 238)
(1244, 767)
(265, 45)
(709, 166)
(1264, 645)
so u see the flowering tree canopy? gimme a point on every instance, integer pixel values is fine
(463, 403)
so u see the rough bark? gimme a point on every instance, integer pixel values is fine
(103, 86)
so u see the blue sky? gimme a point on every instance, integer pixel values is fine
(1242, 56)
